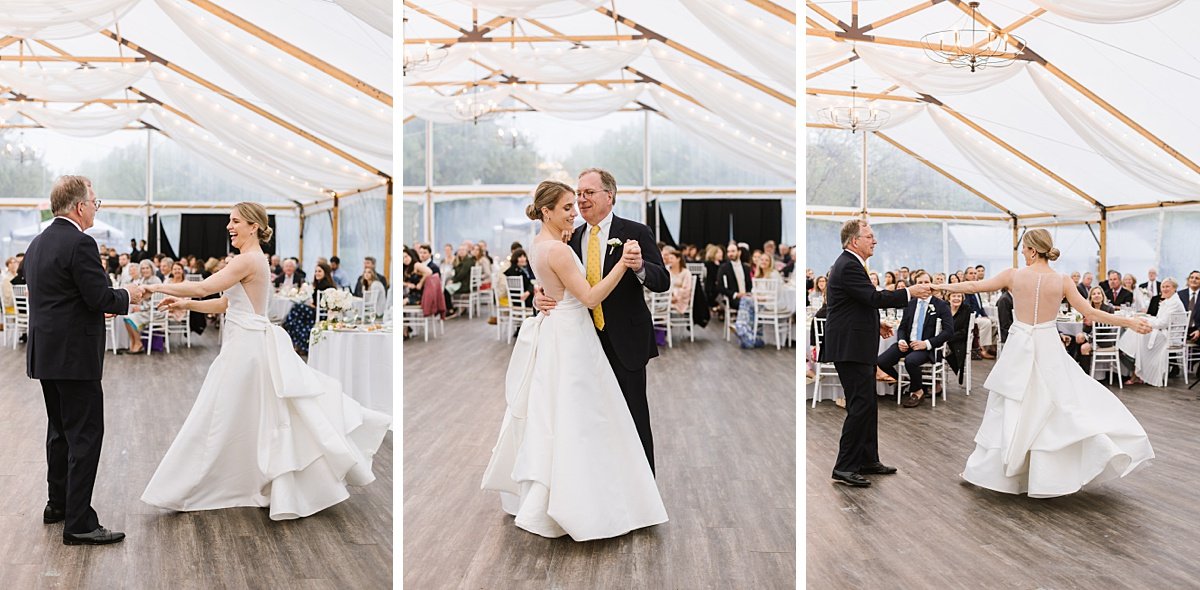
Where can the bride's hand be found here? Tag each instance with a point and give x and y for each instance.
(1140, 325)
(172, 304)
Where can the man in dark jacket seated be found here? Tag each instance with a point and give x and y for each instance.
(918, 340)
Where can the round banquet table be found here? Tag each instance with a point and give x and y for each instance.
(361, 361)
(787, 297)
(278, 308)
(1070, 328)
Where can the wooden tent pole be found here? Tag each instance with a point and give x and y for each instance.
(335, 223)
(1016, 240)
(1103, 267)
(387, 231)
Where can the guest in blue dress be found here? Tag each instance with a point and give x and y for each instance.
(300, 320)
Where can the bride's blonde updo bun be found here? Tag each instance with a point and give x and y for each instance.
(546, 195)
(257, 214)
(1039, 239)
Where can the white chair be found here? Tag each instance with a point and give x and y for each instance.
(21, 309)
(932, 374)
(660, 312)
(503, 311)
(1177, 345)
(482, 295)
(698, 269)
(414, 317)
(181, 327)
(195, 278)
(110, 332)
(768, 312)
(465, 296)
(156, 324)
(966, 372)
(685, 320)
(823, 370)
(1105, 353)
(731, 314)
(518, 309)
(7, 321)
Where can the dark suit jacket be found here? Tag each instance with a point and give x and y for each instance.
(69, 293)
(1123, 296)
(1082, 290)
(937, 310)
(297, 278)
(1152, 309)
(976, 304)
(852, 326)
(727, 281)
(1004, 308)
(1152, 289)
(958, 342)
(1184, 295)
(626, 317)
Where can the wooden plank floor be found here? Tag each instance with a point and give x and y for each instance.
(926, 528)
(724, 432)
(146, 400)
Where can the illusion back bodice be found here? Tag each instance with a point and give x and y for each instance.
(1036, 296)
(550, 282)
(242, 300)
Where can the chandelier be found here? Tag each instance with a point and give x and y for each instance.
(474, 106)
(511, 132)
(855, 117)
(424, 59)
(972, 47)
(19, 151)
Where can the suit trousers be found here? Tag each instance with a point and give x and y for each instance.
(913, 360)
(74, 436)
(633, 387)
(860, 432)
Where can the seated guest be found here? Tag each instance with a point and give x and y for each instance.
(962, 325)
(521, 268)
(460, 280)
(1085, 284)
(1147, 363)
(1152, 283)
(1191, 294)
(1083, 344)
(713, 257)
(483, 261)
(1129, 283)
(918, 340)
(681, 280)
(425, 256)
(788, 261)
(300, 320)
(1004, 309)
(373, 291)
(276, 267)
(819, 293)
(875, 280)
(1116, 294)
(210, 266)
(7, 299)
(339, 275)
(765, 268)
(414, 274)
(139, 314)
(901, 284)
(733, 278)
(164, 268)
(983, 324)
(889, 281)
(369, 262)
(174, 276)
(291, 277)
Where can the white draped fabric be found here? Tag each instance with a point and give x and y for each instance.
(265, 141)
(1022, 182)
(83, 123)
(913, 70)
(820, 52)
(769, 44)
(7, 110)
(899, 112)
(751, 111)
(456, 55)
(1106, 11)
(578, 106)
(440, 109)
(1126, 151)
(753, 154)
(561, 65)
(71, 84)
(377, 13)
(535, 8)
(329, 107)
(318, 240)
(239, 166)
(59, 19)
(361, 232)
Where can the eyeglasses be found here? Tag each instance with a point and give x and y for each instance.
(96, 201)
(589, 193)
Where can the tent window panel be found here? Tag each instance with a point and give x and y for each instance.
(287, 236)
(12, 220)
(361, 228)
(915, 245)
(972, 245)
(833, 168)
(318, 240)
(823, 244)
(1133, 246)
(414, 153)
(680, 159)
(896, 180)
(412, 228)
(499, 221)
(472, 154)
(118, 169)
(613, 142)
(1180, 248)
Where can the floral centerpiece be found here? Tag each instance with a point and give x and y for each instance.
(303, 292)
(334, 301)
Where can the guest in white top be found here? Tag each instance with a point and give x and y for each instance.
(1146, 356)
(6, 290)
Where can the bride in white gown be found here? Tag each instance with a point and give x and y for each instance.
(266, 430)
(568, 460)
(1049, 428)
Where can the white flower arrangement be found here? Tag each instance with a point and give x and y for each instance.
(336, 299)
(302, 292)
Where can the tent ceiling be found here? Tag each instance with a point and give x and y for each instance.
(1147, 70)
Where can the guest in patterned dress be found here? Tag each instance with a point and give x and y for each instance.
(300, 320)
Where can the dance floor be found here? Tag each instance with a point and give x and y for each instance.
(724, 429)
(926, 528)
(146, 400)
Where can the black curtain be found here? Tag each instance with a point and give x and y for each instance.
(204, 236)
(152, 244)
(716, 221)
(664, 232)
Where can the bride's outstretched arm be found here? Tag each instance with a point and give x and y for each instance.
(235, 271)
(1081, 305)
(995, 283)
(562, 261)
(218, 305)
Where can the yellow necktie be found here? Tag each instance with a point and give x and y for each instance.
(593, 272)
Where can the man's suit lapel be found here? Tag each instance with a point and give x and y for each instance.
(576, 242)
(616, 230)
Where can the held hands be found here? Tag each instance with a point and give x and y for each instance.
(1139, 325)
(136, 293)
(631, 255)
(920, 291)
(541, 302)
(566, 236)
(173, 304)
(885, 331)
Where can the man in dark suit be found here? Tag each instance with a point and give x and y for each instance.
(1114, 292)
(1004, 309)
(851, 343)
(68, 297)
(622, 319)
(1086, 284)
(1152, 283)
(291, 276)
(1191, 293)
(733, 277)
(919, 339)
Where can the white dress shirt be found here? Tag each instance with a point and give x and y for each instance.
(605, 226)
(920, 321)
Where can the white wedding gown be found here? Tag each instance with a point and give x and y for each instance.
(266, 430)
(1049, 428)
(568, 460)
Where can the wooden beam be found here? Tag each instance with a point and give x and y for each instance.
(518, 83)
(171, 109)
(1016, 242)
(1103, 265)
(824, 13)
(941, 171)
(813, 24)
(435, 17)
(335, 225)
(1159, 205)
(387, 231)
(78, 59)
(7, 40)
(866, 95)
(1058, 223)
(294, 51)
(855, 36)
(246, 104)
(899, 15)
(1014, 151)
(521, 39)
(698, 56)
(894, 215)
(830, 68)
(775, 9)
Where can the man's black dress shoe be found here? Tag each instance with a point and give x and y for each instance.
(100, 536)
(876, 469)
(851, 479)
(52, 515)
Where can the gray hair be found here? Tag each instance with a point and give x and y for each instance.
(146, 264)
(850, 230)
(1172, 281)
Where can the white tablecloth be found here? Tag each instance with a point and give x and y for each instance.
(278, 308)
(1070, 328)
(787, 297)
(361, 361)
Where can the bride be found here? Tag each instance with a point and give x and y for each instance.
(266, 430)
(568, 460)
(1049, 428)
